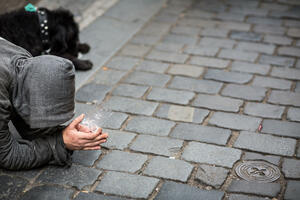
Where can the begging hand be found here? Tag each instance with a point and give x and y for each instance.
(79, 137)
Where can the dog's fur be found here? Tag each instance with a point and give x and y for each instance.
(22, 28)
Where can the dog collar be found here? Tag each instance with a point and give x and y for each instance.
(44, 29)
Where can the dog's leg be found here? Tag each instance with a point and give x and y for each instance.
(83, 48)
(79, 64)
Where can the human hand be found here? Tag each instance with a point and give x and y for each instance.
(79, 137)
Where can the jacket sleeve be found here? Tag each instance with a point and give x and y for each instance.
(26, 154)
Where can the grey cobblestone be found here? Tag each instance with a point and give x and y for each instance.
(227, 16)
(145, 78)
(186, 30)
(217, 103)
(135, 50)
(124, 184)
(244, 92)
(201, 50)
(274, 39)
(294, 32)
(282, 128)
(11, 187)
(92, 92)
(277, 30)
(201, 133)
(186, 70)
(133, 106)
(266, 143)
(249, 11)
(292, 190)
(194, 13)
(245, 197)
(171, 47)
(152, 66)
(265, 21)
(118, 139)
(256, 47)
(235, 26)
(128, 90)
(264, 110)
(169, 168)
(297, 89)
(229, 77)
(166, 18)
(108, 77)
(289, 51)
(114, 121)
(149, 125)
(211, 154)
(202, 86)
(157, 145)
(277, 60)
(272, 83)
(144, 39)
(203, 23)
(171, 96)
(294, 114)
(211, 175)
(167, 56)
(180, 39)
(47, 192)
(122, 161)
(255, 156)
(215, 32)
(122, 63)
(250, 67)
(95, 196)
(182, 113)
(290, 168)
(238, 55)
(86, 158)
(235, 121)
(156, 28)
(248, 36)
(217, 42)
(209, 62)
(265, 189)
(288, 73)
(285, 98)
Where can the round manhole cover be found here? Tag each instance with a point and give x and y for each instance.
(257, 171)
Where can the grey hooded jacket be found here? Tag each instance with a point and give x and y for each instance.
(36, 95)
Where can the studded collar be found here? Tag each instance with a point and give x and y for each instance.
(44, 29)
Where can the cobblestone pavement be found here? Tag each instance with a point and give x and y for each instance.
(201, 87)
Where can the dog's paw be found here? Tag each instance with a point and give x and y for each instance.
(83, 65)
(84, 48)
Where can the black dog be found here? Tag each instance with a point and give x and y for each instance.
(44, 31)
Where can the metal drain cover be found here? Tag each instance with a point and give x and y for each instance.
(257, 171)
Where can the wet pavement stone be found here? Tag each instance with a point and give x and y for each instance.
(282, 128)
(47, 193)
(122, 161)
(264, 189)
(245, 92)
(292, 190)
(86, 157)
(150, 125)
(211, 175)
(92, 92)
(157, 145)
(290, 168)
(272, 83)
(192, 132)
(229, 77)
(294, 114)
(211, 154)
(255, 156)
(264, 110)
(169, 168)
(145, 78)
(128, 185)
(266, 143)
(186, 70)
(128, 90)
(178, 191)
(118, 139)
(285, 98)
(11, 187)
(95, 196)
(250, 67)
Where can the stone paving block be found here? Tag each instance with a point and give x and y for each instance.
(92, 92)
(293, 114)
(202, 86)
(250, 67)
(264, 189)
(245, 92)
(211, 175)
(248, 36)
(274, 39)
(292, 23)
(145, 78)
(157, 145)
(144, 39)
(57, 175)
(264, 110)
(294, 32)
(114, 121)
(201, 133)
(182, 113)
(171, 96)
(235, 121)
(288, 73)
(133, 106)
(152, 66)
(128, 90)
(108, 77)
(290, 168)
(292, 191)
(217, 103)
(166, 18)
(118, 139)
(217, 42)
(282, 128)
(203, 23)
(178, 191)
(277, 30)
(273, 6)
(186, 30)
(27, 174)
(194, 13)
(238, 55)
(186, 70)
(255, 156)
(215, 32)
(256, 47)
(227, 16)
(247, 4)
(169, 168)
(211, 154)
(229, 77)
(209, 62)
(275, 83)
(11, 187)
(201, 50)
(135, 50)
(180, 39)
(239, 26)
(285, 98)
(248, 11)
(156, 28)
(277, 60)
(297, 89)
(47, 192)
(167, 56)
(150, 125)
(122, 63)
(122, 161)
(289, 51)
(266, 143)
(171, 47)
(264, 21)
(86, 157)
(245, 197)
(128, 185)
(95, 196)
